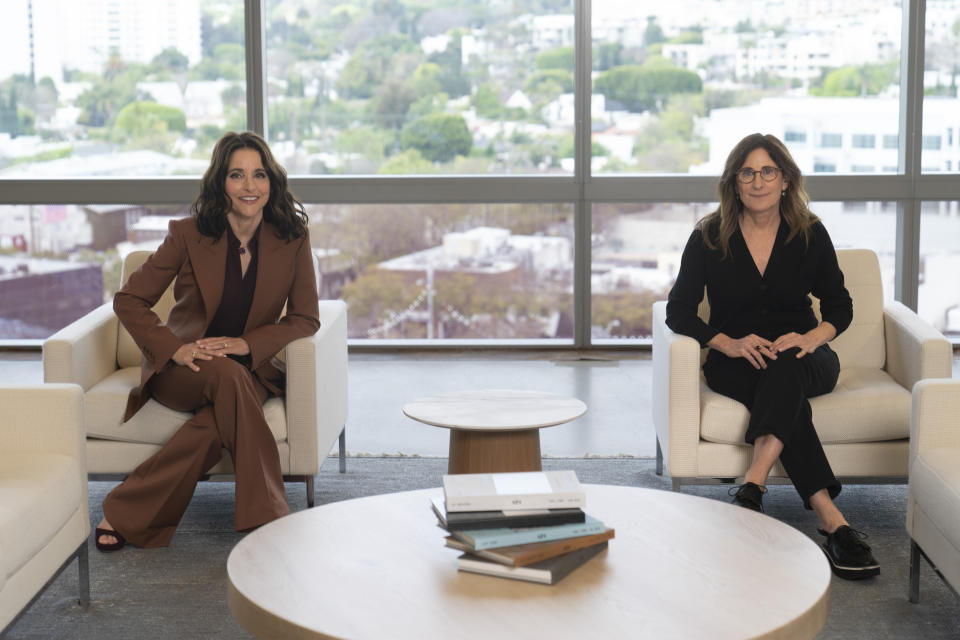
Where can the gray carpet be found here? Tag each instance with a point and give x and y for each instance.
(180, 591)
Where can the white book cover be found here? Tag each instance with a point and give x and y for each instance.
(512, 491)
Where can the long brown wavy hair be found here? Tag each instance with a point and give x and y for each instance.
(210, 208)
(719, 226)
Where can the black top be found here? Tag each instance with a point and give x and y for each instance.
(744, 302)
(231, 317)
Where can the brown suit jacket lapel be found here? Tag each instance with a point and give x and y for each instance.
(267, 264)
(209, 258)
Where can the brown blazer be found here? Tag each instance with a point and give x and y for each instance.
(285, 274)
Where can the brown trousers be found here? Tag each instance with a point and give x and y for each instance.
(147, 507)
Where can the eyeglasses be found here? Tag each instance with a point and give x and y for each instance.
(747, 175)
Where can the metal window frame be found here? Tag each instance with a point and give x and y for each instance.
(908, 188)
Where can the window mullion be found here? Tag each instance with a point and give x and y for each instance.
(911, 126)
(254, 45)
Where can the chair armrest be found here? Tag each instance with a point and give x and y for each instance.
(85, 351)
(316, 401)
(43, 418)
(935, 415)
(676, 395)
(915, 350)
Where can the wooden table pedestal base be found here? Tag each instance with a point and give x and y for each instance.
(494, 451)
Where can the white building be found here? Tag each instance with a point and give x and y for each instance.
(836, 135)
(489, 250)
(44, 228)
(82, 34)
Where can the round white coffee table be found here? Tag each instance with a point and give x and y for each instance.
(494, 430)
(680, 567)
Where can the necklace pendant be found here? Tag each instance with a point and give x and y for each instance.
(242, 250)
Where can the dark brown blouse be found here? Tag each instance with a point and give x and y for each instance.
(231, 317)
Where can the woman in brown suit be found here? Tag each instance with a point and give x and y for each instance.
(242, 255)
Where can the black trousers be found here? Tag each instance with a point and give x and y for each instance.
(777, 398)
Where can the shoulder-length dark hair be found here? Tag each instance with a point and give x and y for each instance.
(719, 226)
(210, 208)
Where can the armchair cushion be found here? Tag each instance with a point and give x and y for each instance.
(154, 423)
(867, 405)
(39, 492)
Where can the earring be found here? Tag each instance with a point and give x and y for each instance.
(783, 193)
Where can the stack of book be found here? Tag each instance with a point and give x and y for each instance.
(526, 526)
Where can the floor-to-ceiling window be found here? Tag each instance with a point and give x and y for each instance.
(521, 172)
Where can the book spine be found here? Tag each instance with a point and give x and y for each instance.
(573, 544)
(497, 522)
(513, 502)
(537, 534)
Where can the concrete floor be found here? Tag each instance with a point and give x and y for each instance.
(615, 388)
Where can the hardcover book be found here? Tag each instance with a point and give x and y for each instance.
(512, 491)
(549, 571)
(496, 519)
(493, 538)
(521, 555)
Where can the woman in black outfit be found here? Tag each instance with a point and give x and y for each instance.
(760, 255)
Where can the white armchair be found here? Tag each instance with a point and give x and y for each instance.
(864, 423)
(97, 353)
(933, 497)
(44, 513)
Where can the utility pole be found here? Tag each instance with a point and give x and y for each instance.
(430, 292)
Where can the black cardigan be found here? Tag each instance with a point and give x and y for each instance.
(744, 302)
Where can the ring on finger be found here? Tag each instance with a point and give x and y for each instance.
(223, 346)
(194, 354)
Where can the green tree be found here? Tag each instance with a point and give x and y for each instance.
(560, 58)
(214, 32)
(110, 92)
(669, 144)
(391, 103)
(607, 55)
(427, 79)
(863, 80)
(374, 295)
(409, 162)
(692, 36)
(646, 87)
(653, 34)
(9, 113)
(169, 61)
(452, 80)
(27, 121)
(566, 148)
(626, 315)
(440, 137)
(437, 103)
(366, 142)
(228, 61)
(148, 124)
(549, 84)
(487, 103)
(370, 64)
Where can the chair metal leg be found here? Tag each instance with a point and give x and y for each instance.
(83, 565)
(659, 459)
(343, 449)
(913, 593)
(310, 497)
